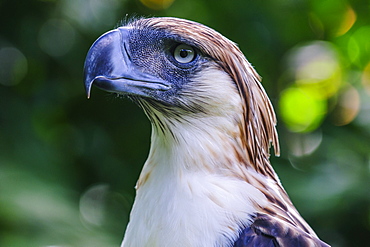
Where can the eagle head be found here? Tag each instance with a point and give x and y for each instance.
(177, 68)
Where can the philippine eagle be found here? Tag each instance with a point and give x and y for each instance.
(208, 181)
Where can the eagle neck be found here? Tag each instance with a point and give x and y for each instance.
(191, 191)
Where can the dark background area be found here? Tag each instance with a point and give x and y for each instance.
(68, 165)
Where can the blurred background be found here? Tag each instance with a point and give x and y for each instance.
(68, 165)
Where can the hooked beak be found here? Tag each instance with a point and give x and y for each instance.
(109, 67)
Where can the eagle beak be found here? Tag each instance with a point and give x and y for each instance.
(109, 67)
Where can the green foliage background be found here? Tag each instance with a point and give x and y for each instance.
(68, 165)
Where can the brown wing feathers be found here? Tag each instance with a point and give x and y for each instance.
(267, 231)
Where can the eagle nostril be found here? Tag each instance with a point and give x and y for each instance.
(127, 52)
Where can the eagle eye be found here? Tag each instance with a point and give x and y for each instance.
(184, 53)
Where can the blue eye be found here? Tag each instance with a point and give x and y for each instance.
(184, 53)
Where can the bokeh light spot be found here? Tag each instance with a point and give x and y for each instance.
(92, 204)
(353, 49)
(301, 110)
(302, 144)
(92, 14)
(316, 24)
(56, 37)
(349, 19)
(365, 78)
(13, 66)
(316, 67)
(157, 4)
(358, 47)
(348, 106)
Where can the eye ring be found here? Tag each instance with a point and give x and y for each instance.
(184, 53)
